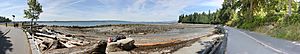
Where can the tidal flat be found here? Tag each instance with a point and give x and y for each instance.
(144, 35)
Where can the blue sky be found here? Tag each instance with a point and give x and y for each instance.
(128, 10)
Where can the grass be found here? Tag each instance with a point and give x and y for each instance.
(288, 32)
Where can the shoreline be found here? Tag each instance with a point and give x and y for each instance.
(146, 36)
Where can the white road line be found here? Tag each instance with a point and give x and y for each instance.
(262, 43)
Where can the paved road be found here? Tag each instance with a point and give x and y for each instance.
(13, 42)
(245, 42)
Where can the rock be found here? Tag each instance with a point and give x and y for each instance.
(68, 35)
(166, 52)
(113, 47)
(101, 47)
(127, 44)
(118, 37)
(123, 44)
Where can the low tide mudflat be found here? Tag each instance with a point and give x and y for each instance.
(140, 32)
(146, 36)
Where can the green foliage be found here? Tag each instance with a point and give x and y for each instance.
(269, 16)
(298, 7)
(34, 10)
(4, 19)
(203, 18)
(287, 31)
(294, 18)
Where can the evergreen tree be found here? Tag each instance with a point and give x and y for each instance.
(4, 19)
(299, 7)
(33, 11)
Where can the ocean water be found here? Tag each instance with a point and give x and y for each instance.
(94, 23)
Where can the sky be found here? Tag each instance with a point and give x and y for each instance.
(126, 10)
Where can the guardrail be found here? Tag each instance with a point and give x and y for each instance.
(218, 47)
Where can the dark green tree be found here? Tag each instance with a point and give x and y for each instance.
(33, 11)
(299, 7)
(4, 19)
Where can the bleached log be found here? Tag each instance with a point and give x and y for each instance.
(68, 44)
(41, 34)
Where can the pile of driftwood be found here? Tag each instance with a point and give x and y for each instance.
(48, 39)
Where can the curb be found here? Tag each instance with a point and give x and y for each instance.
(33, 46)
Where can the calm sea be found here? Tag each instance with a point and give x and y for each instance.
(93, 23)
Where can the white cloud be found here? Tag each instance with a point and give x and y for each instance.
(57, 9)
(216, 3)
(134, 10)
(163, 10)
(9, 7)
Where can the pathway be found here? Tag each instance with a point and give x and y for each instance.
(13, 41)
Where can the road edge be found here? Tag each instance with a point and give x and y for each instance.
(268, 46)
(33, 46)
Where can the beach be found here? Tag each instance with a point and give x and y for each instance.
(146, 36)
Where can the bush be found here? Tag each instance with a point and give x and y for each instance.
(289, 32)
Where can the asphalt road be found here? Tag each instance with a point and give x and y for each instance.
(246, 42)
(13, 41)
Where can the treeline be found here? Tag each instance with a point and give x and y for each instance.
(251, 14)
(200, 18)
(280, 18)
(4, 19)
(247, 14)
